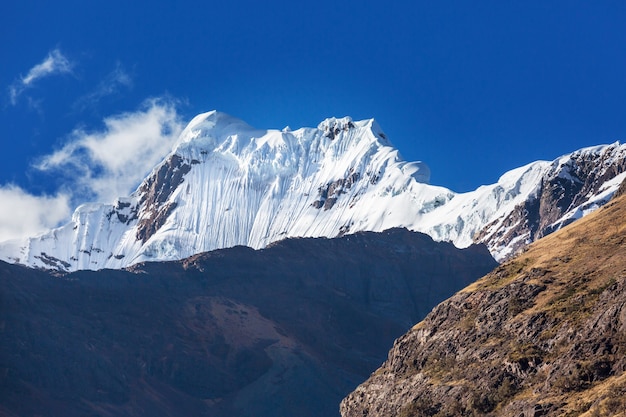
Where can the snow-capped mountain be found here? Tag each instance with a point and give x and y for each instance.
(226, 183)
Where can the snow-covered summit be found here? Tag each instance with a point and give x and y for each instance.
(226, 183)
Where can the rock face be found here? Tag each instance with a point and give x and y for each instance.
(284, 331)
(154, 194)
(541, 335)
(572, 186)
(226, 184)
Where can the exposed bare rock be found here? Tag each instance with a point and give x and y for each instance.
(542, 335)
(329, 194)
(565, 187)
(125, 211)
(53, 262)
(154, 193)
(333, 126)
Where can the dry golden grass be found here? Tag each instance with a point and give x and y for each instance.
(583, 255)
(581, 262)
(532, 334)
(575, 265)
(606, 398)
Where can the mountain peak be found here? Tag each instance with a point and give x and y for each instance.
(208, 130)
(333, 126)
(226, 183)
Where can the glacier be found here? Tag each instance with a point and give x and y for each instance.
(226, 183)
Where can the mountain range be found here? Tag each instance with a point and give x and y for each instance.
(265, 272)
(226, 183)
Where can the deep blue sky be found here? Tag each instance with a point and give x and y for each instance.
(472, 88)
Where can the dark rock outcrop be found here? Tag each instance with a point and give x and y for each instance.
(154, 193)
(333, 127)
(329, 194)
(567, 185)
(284, 331)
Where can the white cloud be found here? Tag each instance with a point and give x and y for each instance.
(113, 83)
(96, 166)
(110, 163)
(54, 63)
(23, 214)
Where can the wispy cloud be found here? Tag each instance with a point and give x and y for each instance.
(23, 214)
(105, 164)
(93, 166)
(112, 84)
(54, 63)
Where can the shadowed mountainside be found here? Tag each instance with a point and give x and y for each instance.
(541, 335)
(288, 330)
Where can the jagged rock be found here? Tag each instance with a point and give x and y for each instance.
(329, 194)
(561, 198)
(154, 194)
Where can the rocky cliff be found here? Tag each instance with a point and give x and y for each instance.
(542, 335)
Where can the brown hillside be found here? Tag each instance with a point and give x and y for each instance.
(542, 335)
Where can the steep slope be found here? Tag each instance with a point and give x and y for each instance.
(542, 335)
(226, 184)
(571, 187)
(284, 331)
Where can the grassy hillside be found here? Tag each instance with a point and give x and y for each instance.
(542, 335)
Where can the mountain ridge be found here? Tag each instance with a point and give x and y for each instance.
(226, 183)
(286, 330)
